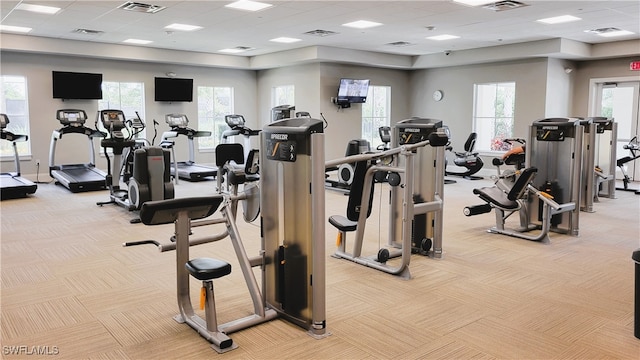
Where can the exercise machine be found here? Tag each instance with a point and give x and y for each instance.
(467, 159)
(598, 162)
(12, 185)
(517, 198)
(554, 147)
(428, 180)
(346, 171)
(291, 260)
(187, 170)
(515, 157)
(634, 148)
(76, 177)
(237, 126)
(417, 140)
(149, 178)
(283, 112)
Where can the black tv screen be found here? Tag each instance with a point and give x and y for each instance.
(73, 85)
(173, 89)
(353, 90)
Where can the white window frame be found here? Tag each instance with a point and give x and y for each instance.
(211, 113)
(488, 116)
(379, 106)
(129, 110)
(283, 95)
(16, 126)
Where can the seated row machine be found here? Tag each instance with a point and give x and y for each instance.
(292, 254)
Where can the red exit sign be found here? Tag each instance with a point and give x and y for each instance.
(634, 65)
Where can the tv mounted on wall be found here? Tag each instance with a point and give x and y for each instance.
(173, 89)
(353, 91)
(73, 85)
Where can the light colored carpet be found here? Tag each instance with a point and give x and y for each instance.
(69, 287)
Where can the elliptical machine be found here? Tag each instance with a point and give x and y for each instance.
(149, 176)
(467, 159)
(634, 148)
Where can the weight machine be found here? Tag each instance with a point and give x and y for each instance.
(293, 237)
(410, 206)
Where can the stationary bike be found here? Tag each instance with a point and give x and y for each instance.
(467, 159)
(634, 148)
(147, 173)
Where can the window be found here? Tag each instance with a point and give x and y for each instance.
(213, 104)
(283, 95)
(376, 112)
(128, 97)
(494, 106)
(14, 103)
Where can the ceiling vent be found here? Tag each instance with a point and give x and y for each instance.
(504, 5)
(399, 43)
(141, 7)
(243, 48)
(603, 30)
(87, 31)
(321, 33)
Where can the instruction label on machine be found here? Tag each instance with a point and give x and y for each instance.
(550, 133)
(280, 148)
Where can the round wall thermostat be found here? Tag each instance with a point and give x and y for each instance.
(438, 95)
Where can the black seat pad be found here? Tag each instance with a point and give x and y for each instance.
(342, 223)
(497, 197)
(208, 268)
(166, 211)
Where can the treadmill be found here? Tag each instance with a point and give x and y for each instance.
(76, 177)
(12, 185)
(187, 170)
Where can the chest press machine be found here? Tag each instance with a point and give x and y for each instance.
(293, 243)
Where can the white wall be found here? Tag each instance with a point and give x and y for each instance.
(74, 149)
(542, 89)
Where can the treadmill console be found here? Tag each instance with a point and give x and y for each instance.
(177, 120)
(71, 117)
(234, 121)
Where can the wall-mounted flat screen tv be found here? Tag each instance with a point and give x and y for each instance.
(74, 85)
(353, 90)
(173, 89)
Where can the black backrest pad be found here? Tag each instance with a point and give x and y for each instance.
(228, 152)
(471, 141)
(166, 211)
(356, 191)
(518, 189)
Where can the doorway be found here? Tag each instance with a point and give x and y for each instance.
(619, 98)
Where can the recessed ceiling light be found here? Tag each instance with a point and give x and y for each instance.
(38, 8)
(19, 29)
(137, 41)
(473, 2)
(362, 24)
(285, 40)
(559, 19)
(443, 37)
(183, 27)
(248, 5)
